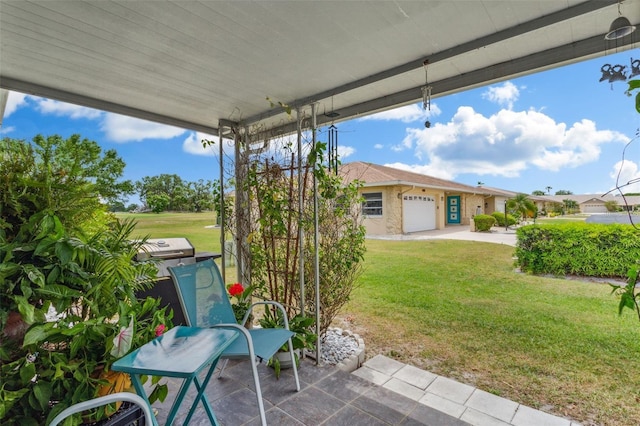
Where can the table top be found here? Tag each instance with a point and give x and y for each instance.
(180, 352)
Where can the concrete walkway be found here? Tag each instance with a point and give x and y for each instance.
(458, 400)
(496, 235)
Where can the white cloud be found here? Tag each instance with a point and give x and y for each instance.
(62, 109)
(15, 100)
(120, 128)
(433, 169)
(6, 130)
(505, 143)
(345, 151)
(504, 95)
(193, 144)
(624, 172)
(378, 146)
(406, 114)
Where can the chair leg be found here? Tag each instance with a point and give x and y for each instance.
(295, 367)
(222, 367)
(256, 382)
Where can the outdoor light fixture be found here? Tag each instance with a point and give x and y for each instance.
(619, 28)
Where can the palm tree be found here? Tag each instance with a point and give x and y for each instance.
(523, 205)
(548, 188)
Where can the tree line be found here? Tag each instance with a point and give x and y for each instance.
(169, 192)
(77, 160)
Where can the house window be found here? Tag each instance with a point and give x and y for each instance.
(372, 204)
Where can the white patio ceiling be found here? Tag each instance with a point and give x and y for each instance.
(192, 63)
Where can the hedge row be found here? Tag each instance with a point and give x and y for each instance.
(499, 217)
(584, 249)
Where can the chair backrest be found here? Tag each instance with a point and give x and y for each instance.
(202, 293)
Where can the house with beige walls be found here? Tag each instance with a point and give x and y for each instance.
(400, 202)
(596, 203)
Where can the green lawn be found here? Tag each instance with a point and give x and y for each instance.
(197, 227)
(458, 308)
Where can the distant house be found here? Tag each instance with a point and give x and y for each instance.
(594, 203)
(399, 202)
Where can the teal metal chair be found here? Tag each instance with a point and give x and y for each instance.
(204, 300)
(104, 400)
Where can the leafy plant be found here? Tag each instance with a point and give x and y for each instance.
(242, 303)
(523, 205)
(484, 222)
(67, 301)
(585, 249)
(499, 217)
(304, 337)
(634, 85)
(276, 221)
(630, 293)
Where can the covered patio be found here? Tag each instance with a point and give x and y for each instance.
(382, 392)
(221, 67)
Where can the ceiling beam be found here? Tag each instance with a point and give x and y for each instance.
(497, 72)
(516, 30)
(9, 83)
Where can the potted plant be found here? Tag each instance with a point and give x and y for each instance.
(304, 338)
(241, 302)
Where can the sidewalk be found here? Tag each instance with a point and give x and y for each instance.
(458, 400)
(496, 235)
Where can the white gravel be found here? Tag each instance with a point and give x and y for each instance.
(336, 346)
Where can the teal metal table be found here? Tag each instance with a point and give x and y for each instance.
(181, 352)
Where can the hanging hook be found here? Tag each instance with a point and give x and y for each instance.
(426, 89)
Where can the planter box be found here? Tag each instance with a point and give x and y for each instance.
(285, 358)
(128, 415)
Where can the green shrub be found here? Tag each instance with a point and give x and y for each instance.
(484, 222)
(584, 249)
(499, 217)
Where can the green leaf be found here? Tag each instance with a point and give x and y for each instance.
(27, 372)
(26, 309)
(38, 334)
(64, 252)
(626, 301)
(34, 275)
(42, 391)
(123, 340)
(9, 398)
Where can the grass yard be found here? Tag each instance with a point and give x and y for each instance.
(457, 308)
(197, 227)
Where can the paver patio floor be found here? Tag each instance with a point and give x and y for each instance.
(382, 392)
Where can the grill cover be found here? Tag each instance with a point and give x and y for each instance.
(167, 248)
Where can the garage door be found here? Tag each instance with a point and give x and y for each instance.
(418, 212)
(594, 208)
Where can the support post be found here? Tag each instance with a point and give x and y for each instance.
(300, 214)
(316, 237)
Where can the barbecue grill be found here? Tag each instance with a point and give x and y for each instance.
(170, 252)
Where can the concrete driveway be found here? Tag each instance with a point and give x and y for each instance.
(496, 235)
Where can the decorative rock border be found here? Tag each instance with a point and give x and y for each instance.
(355, 360)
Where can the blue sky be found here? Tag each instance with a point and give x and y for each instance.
(561, 128)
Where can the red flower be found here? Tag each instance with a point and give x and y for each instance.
(160, 329)
(236, 289)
